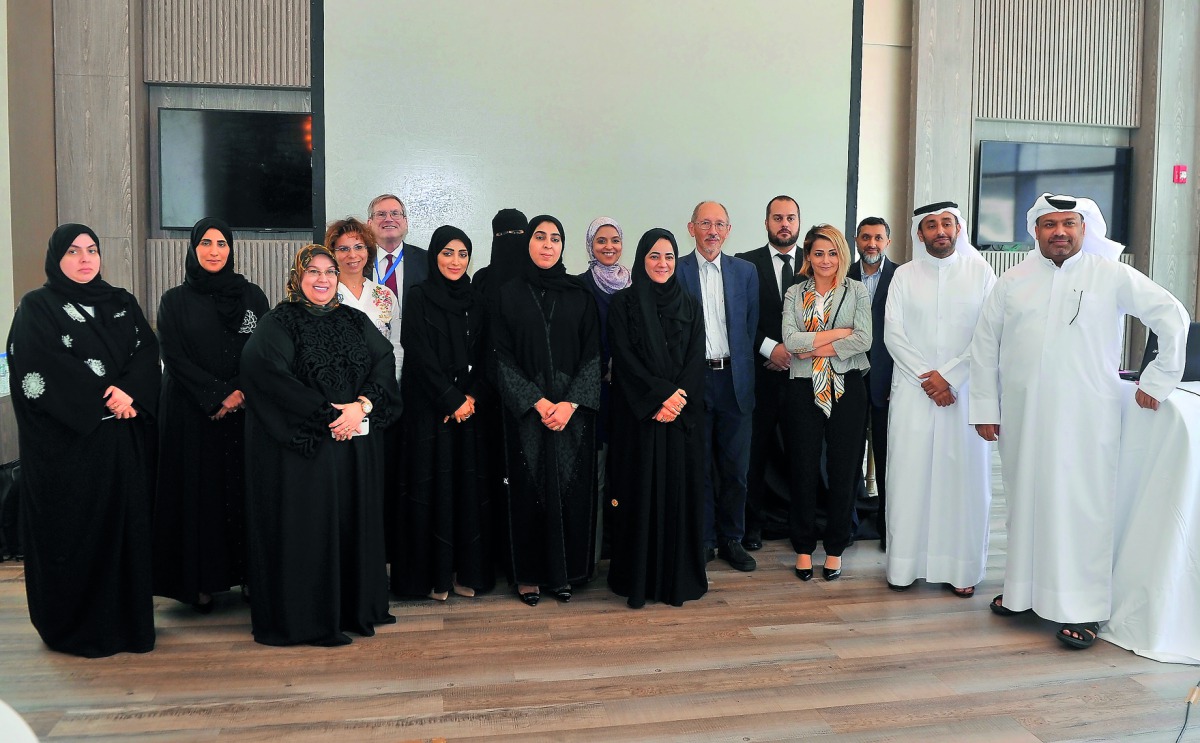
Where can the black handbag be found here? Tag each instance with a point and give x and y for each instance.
(10, 511)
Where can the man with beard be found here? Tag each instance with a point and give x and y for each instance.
(875, 271)
(1044, 382)
(940, 478)
(776, 267)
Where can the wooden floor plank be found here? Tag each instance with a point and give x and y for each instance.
(762, 657)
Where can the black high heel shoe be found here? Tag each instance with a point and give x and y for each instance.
(832, 573)
(531, 598)
(805, 574)
(563, 594)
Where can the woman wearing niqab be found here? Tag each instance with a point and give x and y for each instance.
(657, 334)
(313, 372)
(84, 365)
(446, 539)
(199, 516)
(547, 372)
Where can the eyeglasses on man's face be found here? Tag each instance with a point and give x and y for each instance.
(393, 213)
(706, 224)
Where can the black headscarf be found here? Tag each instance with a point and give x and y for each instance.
(295, 292)
(94, 293)
(226, 287)
(555, 277)
(510, 246)
(456, 299)
(452, 296)
(666, 310)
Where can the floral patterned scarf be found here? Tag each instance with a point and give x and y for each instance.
(828, 385)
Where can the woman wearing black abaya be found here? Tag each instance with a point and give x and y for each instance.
(312, 373)
(447, 525)
(547, 368)
(510, 253)
(84, 365)
(199, 521)
(657, 335)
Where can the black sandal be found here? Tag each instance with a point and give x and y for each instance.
(1001, 609)
(1087, 632)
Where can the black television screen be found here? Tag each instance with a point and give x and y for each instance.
(1013, 174)
(252, 169)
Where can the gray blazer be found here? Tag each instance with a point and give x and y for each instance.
(851, 309)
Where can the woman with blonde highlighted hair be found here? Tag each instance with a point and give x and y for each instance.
(827, 328)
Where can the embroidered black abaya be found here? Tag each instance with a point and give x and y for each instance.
(199, 515)
(86, 475)
(547, 340)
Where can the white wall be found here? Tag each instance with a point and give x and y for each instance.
(884, 145)
(628, 109)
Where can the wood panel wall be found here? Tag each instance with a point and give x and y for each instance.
(942, 145)
(99, 127)
(228, 42)
(1060, 61)
(264, 262)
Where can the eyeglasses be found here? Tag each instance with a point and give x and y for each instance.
(313, 273)
(705, 224)
(394, 214)
(348, 248)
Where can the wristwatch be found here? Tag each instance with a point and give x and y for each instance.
(367, 407)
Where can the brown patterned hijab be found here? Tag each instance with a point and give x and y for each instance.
(294, 291)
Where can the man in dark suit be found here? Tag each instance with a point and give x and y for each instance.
(875, 271)
(727, 291)
(776, 266)
(399, 266)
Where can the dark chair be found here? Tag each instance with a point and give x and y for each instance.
(1191, 367)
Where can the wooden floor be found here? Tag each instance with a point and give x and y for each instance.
(761, 657)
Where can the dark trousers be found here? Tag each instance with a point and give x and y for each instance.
(878, 433)
(765, 446)
(844, 435)
(727, 442)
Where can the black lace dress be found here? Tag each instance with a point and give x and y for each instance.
(547, 344)
(314, 506)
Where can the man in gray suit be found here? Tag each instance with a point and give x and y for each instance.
(727, 290)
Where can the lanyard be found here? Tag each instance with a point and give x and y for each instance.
(399, 257)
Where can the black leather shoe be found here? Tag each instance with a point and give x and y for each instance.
(734, 553)
(752, 541)
(530, 599)
(831, 574)
(563, 594)
(804, 574)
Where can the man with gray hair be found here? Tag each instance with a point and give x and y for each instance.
(1044, 382)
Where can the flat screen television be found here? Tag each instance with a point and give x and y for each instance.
(1013, 174)
(252, 169)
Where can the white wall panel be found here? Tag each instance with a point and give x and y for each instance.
(629, 109)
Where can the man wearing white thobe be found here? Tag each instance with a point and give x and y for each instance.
(939, 473)
(1044, 381)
